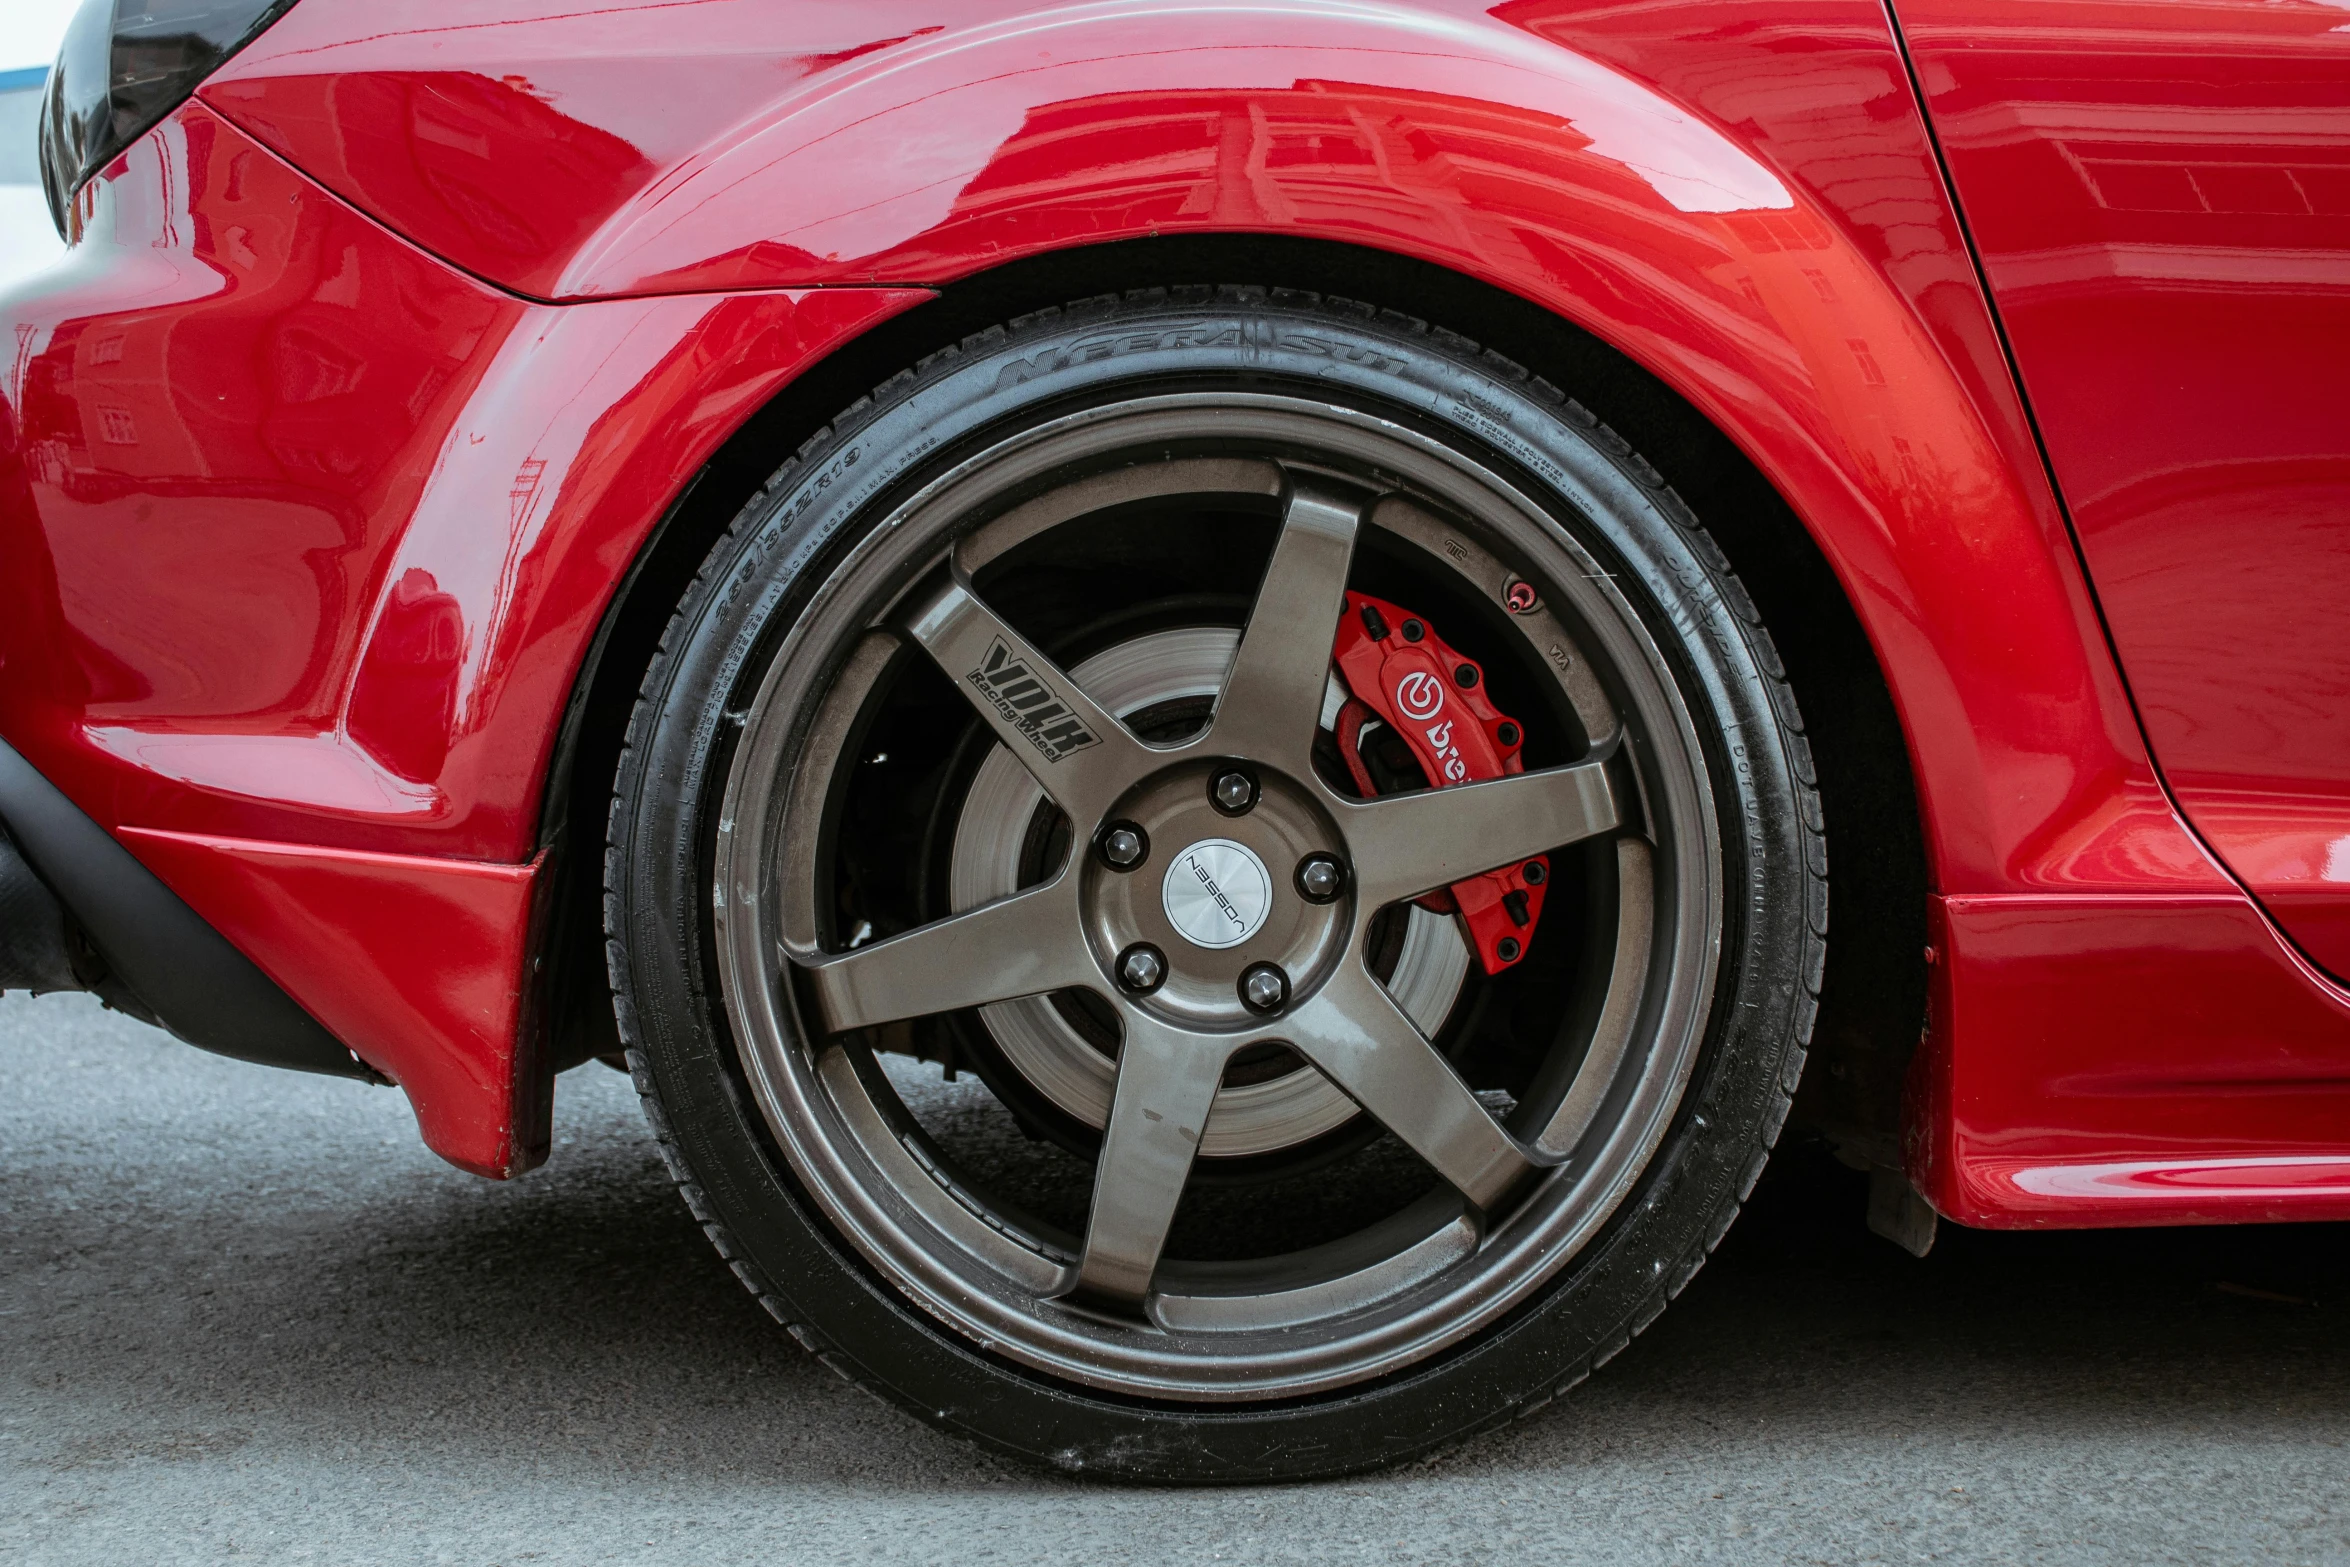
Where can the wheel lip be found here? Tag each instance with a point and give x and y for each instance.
(1516, 1259)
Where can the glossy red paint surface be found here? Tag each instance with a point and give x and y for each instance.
(1743, 200)
(1802, 281)
(316, 531)
(307, 536)
(2151, 1060)
(2161, 192)
(416, 964)
(228, 399)
(503, 136)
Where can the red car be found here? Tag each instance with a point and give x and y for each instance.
(1176, 676)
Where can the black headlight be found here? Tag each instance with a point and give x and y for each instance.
(125, 65)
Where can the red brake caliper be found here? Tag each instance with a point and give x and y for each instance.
(1399, 670)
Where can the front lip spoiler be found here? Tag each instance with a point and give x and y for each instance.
(161, 960)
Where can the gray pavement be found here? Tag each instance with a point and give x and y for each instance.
(245, 1316)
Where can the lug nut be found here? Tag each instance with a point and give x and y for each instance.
(1142, 968)
(1234, 792)
(1319, 878)
(1123, 845)
(1264, 988)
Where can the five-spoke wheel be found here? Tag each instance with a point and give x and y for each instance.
(1308, 982)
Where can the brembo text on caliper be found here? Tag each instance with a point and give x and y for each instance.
(1399, 671)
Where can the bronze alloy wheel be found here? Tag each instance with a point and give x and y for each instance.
(1057, 1029)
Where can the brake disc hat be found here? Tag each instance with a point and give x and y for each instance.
(1523, 1263)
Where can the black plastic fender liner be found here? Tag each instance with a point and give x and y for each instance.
(174, 966)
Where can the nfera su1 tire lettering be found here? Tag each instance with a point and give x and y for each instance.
(1131, 480)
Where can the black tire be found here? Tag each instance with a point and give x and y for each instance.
(760, 577)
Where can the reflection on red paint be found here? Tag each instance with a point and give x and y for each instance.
(230, 396)
(507, 165)
(404, 705)
(2162, 194)
(2158, 1180)
(485, 171)
(2148, 1033)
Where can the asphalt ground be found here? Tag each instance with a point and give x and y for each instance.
(245, 1316)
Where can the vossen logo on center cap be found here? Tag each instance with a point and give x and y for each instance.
(1029, 705)
(1217, 893)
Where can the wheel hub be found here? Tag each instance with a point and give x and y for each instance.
(1216, 906)
(1157, 673)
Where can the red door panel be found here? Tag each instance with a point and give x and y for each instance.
(2161, 193)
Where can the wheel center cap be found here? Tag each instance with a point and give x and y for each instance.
(1217, 893)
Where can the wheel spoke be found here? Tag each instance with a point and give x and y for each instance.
(1408, 844)
(1023, 945)
(1272, 698)
(1167, 1082)
(1078, 750)
(1361, 1040)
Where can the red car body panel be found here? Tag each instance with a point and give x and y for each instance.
(1745, 203)
(2141, 1060)
(2161, 194)
(308, 538)
(328, 525)
(1455, 137)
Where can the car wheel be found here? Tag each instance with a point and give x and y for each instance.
(1094, 1020)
